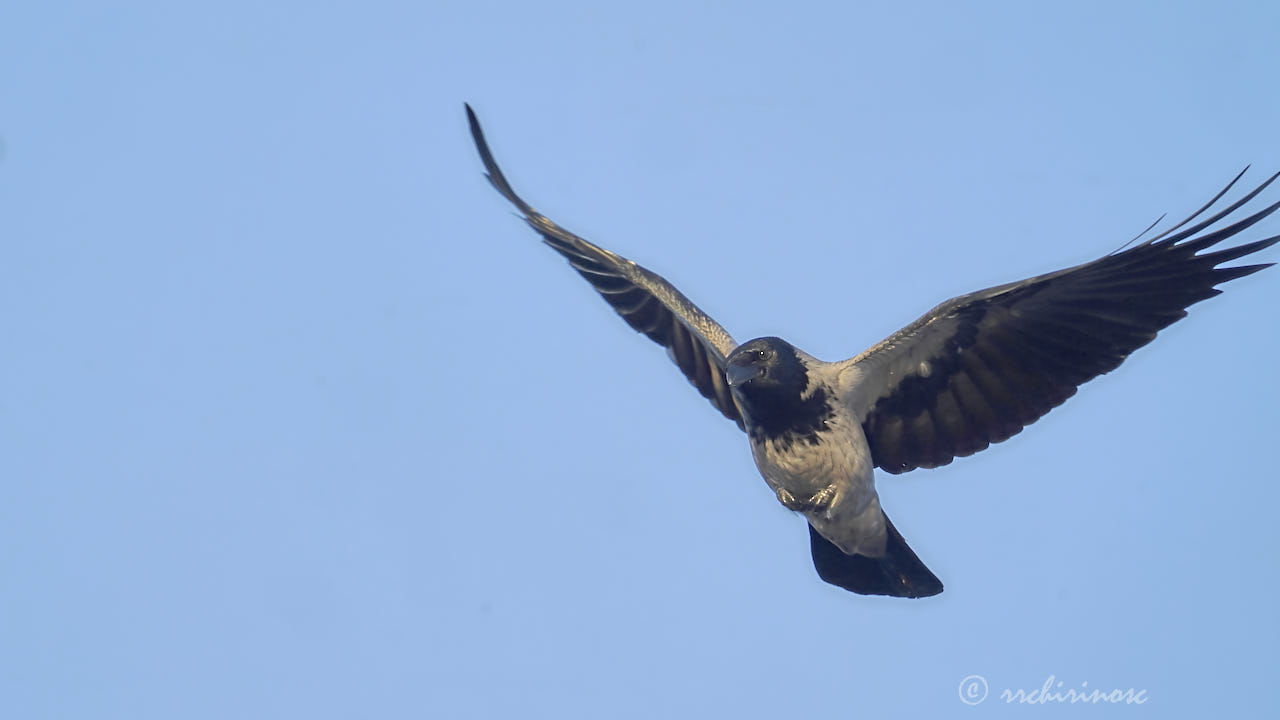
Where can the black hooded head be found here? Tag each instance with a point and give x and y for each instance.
(770, 381)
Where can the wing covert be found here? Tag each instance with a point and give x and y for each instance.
(646, 301)
(979, 368)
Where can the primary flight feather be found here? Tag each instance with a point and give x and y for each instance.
(973, 371)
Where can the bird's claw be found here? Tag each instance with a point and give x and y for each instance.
(788, 500)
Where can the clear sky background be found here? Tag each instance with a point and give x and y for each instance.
(297, 420)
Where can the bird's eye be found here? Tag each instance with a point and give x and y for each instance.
(760, 354)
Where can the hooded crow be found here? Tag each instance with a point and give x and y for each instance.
(972, 371)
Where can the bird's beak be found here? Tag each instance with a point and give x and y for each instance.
(740, 374)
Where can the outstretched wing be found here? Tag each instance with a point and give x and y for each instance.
(977, 369)
(648, 303)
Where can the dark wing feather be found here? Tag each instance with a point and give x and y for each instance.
(648, 303)
(977, 369)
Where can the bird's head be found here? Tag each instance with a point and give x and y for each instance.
(765, 369)
(771, 384)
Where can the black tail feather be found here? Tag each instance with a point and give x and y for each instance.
(898, 573)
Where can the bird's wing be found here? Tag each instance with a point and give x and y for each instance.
(649, 304)
(977, 369)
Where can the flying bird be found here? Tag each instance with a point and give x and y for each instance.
(973, 371)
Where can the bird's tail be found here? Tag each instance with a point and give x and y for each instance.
(898, 572)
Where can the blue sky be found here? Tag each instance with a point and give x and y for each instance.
(299, 421)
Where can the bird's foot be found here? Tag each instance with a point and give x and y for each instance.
(820, 501)
(789, 501)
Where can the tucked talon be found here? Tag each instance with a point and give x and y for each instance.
(823, 499)
(789, 501)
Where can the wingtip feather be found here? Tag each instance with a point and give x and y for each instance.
(492, 171)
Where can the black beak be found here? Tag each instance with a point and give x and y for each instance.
(741, 374)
